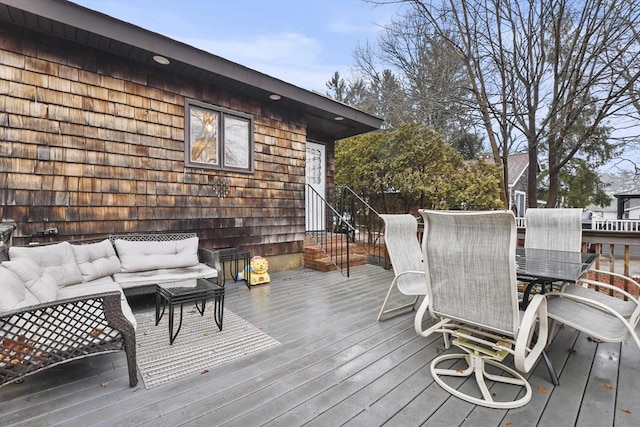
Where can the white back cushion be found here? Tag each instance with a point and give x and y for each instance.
(96, 260)
(152, 255)
(57, 260)
(12, 289)
(37, 281)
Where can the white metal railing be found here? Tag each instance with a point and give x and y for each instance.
(601, 224)
(615, 224)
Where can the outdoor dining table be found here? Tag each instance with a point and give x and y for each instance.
(544, 267)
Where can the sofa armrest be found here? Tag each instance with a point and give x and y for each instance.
(210, 257)
(45, 335)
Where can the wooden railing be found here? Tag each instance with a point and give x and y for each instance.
(619, 250)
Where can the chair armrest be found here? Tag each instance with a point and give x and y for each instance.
(420, 273)
(630, 324)
(59, 302)
(610, 287)
(619, 276)
(596, 304)
(535, 314)
(44, 335)
(210, 257)
(411, 289)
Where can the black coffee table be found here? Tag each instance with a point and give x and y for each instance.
(181, 292)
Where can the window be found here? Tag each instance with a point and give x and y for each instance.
(217, 138)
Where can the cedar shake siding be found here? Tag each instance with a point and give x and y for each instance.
(93, 144)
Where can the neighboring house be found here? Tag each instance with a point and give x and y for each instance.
(608, 212)
(518, 169)
(628, 204)
(624, 205)
(108, 128)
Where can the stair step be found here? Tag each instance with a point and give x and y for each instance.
(354, 259)
(316, 259)
(325, 264)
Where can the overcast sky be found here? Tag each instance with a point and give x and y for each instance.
(302, 42)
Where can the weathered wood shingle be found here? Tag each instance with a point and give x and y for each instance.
(93, 144)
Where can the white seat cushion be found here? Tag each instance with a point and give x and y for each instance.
(84, 289)
(58, 260)
(131, 280)
(152, 255)
(96, 260)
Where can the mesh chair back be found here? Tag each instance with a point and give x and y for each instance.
(558, 229)
(401, 239)
(471, 268)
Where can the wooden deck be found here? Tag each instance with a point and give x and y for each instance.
(336, 366)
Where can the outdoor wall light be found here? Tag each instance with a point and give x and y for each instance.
(161, 60)
(275, 97)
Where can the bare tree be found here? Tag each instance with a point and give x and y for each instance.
(552, 73)
(416, 78)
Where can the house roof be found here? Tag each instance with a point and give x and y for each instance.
(72, 22)
(517, 165)
(629, 194)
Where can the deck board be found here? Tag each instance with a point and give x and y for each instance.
(336, 365)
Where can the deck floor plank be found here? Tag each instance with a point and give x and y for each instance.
(336, 365)
(566, 400)
(598, 405)
(627, 410)
(287, 357)
(529, 415)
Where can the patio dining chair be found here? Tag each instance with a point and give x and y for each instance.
(558, 229)
(401, 240)
(608, 318)
(470, 265)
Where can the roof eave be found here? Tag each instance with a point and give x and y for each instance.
(324, 109)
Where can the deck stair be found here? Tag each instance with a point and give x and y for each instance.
(316, 259)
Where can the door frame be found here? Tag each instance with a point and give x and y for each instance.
(316, 178)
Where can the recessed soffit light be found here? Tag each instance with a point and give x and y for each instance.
(161, 60)
(275, 97)
(338, 118)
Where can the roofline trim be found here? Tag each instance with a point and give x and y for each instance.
(89, 20)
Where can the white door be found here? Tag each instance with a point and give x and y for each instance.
(521, 203)
(315, 177)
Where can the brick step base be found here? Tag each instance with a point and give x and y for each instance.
(316, 259)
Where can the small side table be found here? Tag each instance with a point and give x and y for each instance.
(234, 258)
(197, 291)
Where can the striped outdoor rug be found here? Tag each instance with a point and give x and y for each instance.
(199, 345)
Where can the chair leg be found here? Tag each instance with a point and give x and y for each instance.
(553, 330)
(476, 367)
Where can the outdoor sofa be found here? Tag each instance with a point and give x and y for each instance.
(61, 302)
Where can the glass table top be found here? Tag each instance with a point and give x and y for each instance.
(189, 286)
(553, 265)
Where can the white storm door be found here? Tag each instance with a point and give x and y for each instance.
(315, 177)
